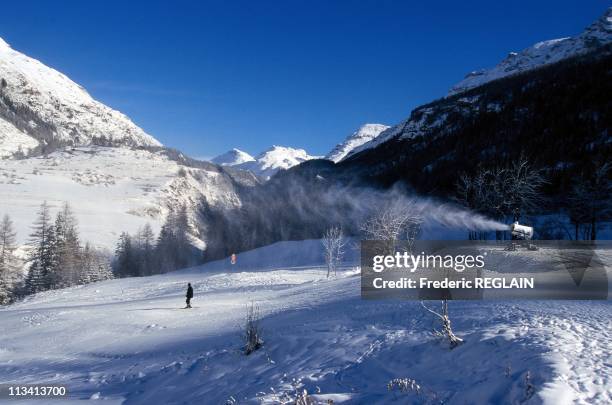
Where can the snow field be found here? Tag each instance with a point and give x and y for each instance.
(128, 341)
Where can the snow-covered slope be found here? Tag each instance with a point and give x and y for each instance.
(110, 189)
(364, 134)
(543, 53)
(274, 159)
(39, 105)
(232, 158)
(127, 341)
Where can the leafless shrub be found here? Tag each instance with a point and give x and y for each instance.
(404, 385)
(252, 331)
(303, 398)
(529, 387)
(447, 330)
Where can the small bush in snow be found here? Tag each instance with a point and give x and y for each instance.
(252, 331)
(304, 399)
(404, 385)
(447, 330)
(529, 387)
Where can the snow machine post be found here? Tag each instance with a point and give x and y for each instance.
(521, 233)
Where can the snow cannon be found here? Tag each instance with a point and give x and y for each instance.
(521, 232)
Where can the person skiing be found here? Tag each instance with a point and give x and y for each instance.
(189, 295)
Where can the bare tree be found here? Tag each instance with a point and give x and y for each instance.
(523, 184)
(447, 330)
(514, 191)
(590, 202)
(397, 221)
(333, 243)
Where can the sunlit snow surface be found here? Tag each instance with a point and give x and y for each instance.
(129, 341)
(111, 190)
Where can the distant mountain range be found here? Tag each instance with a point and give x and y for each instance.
(269, 162)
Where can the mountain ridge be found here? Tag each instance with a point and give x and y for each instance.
(41, 109)
(542, 53)
(364, 134)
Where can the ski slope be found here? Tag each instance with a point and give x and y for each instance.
(129, 342)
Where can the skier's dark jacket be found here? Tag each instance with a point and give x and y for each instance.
(189, 292)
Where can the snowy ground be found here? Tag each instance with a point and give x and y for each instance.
(129, 341)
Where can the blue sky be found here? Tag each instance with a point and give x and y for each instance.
(207, 76)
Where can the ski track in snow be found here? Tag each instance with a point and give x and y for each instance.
(128, 341)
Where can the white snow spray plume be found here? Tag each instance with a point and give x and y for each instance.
(304, 209)
(367, 201)
(455, 217)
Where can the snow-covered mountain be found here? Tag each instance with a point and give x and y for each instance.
(110, 189)
(59, 144)
(41, 107)
(543, 53)
(364, 134)
(266, 163)
(430, 118)
(232, 158)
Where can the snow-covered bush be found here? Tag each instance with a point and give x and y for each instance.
(304, 399)
(409, 385)
(252, 330)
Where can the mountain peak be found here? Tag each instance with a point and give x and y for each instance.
(233, 157)
(364, 134)
(596, 35)
(41, 107)
(267, 163)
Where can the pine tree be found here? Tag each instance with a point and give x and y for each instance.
(67, 261)
(9, 267)
(146, 246)
(94, 266)
(174, 250)
(41, 253)
(125, 258)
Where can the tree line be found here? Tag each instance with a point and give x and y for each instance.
(55, 256)
(142, 254)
